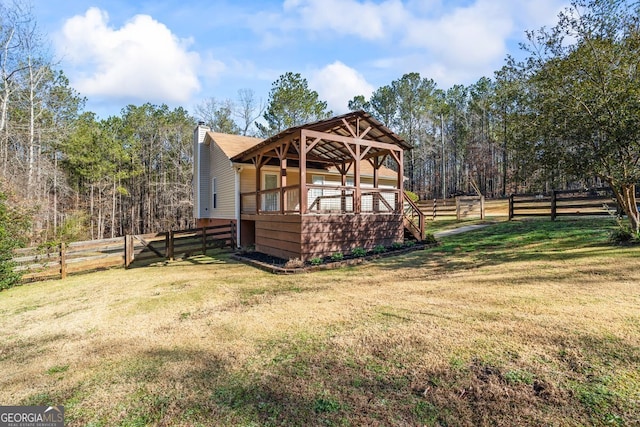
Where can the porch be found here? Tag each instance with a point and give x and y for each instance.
(303, 219)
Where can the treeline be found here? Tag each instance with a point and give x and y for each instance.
(566, 116)
(463, 143)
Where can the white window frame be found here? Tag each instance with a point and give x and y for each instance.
(271, 201)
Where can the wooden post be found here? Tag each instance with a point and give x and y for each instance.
(481, 207)
(343, 193)
(357, 200)
(63, 261)
(128, 250)
(510, 207)
(166, 245)
(303, 172)
(283, 185)
(553, 205)
(435, 208)
(458, 208)
(204, 241)
(170, 246)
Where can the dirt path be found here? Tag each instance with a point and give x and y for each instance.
(459, 230)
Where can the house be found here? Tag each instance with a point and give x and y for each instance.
(309, 191)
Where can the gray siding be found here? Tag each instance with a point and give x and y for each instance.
(222, 170)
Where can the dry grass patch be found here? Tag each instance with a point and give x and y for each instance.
(537, 324)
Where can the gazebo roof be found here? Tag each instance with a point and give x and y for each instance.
(356, 126)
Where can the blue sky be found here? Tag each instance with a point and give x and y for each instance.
(180, 53)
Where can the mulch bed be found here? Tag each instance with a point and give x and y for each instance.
(279, 266)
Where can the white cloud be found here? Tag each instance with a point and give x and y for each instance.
(367, 20)
(337, 84)
(141, 60)
(465, 36)
(446, 40)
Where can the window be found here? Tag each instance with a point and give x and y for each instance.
(214, 193)
(271, 200)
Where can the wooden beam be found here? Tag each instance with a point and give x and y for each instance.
(400, 173)
(357, 200)
(353, 154)
(366, 150)
(366, 131)
(397, 156)
(349, 128)
(313, 144)
(258, 186)
(357, 141)
(303, 171)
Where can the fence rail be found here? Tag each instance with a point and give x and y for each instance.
(596, 202)
(39, 263)
(460, 207)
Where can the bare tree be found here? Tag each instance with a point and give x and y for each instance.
(249, 109)
(12, 19)
(218, 115)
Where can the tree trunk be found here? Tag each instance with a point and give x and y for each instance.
(91, 214)
(626, 196)
(113, 209)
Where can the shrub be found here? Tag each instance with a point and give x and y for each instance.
(397, 245)
(315, 261)
(412, 196)
(622, 235)
(429, 238)
(358, 252)
(338, 256)
(409, 244)
(379, 249)
(13, 227)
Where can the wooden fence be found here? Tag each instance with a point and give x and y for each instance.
(60, 260)
(63, 259)
(173, 244)
(563, 203)
(461, 207)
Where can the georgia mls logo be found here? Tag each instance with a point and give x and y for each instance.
(31, 416)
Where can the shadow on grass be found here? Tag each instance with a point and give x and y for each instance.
(310, 380)
(213, 256)
(515, 241)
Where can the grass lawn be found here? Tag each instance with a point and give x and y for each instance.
(519, 323)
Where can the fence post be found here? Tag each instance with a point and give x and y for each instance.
(510, 207)
(435, 208)
(63, 261)
(481, 207)
(170, 254)
(458, 208)
(166, 245)
(128, 250)
(553, 205)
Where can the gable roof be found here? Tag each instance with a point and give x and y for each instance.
(232, 145)
(235, 146)
(360, 122)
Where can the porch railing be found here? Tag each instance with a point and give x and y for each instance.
(278, 200)
(322, 199)
(414, 220)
